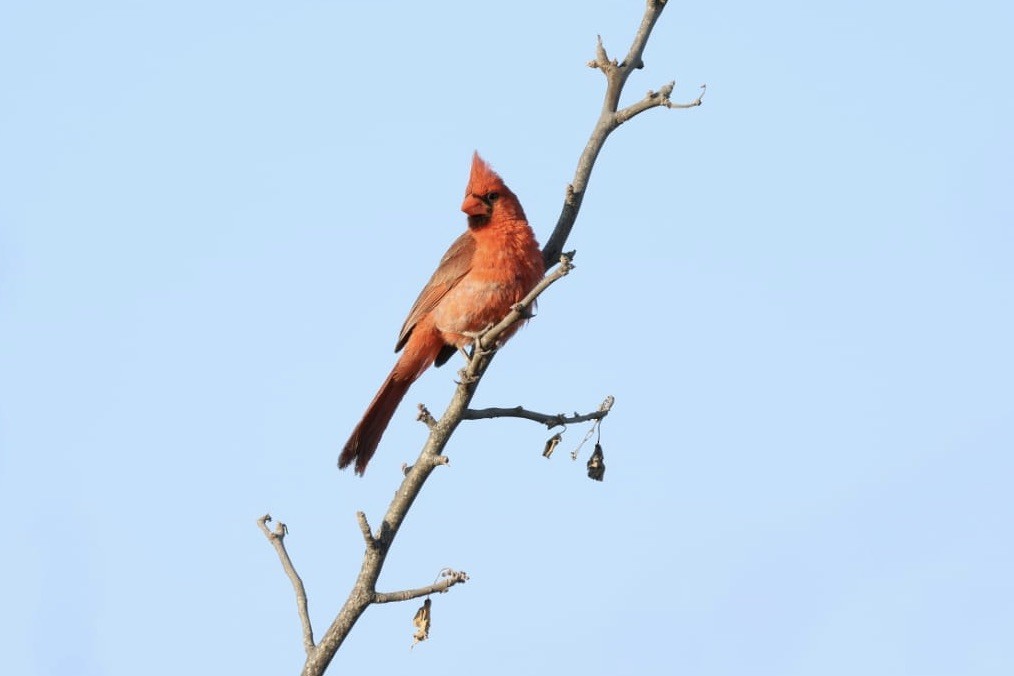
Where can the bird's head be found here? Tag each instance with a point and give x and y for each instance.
(487, 196)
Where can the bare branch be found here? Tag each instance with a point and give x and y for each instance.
(277, 540)
(521, 310)
(363, 592)
(609, 119)
(426, 417)
(601, 60)
(651, 13)
(657, 99)
(364, 527)
(450, 578)
(549, 420)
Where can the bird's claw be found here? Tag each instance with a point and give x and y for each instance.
(476, 337)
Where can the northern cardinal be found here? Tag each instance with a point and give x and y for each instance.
(487, 270)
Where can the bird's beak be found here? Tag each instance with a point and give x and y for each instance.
(474, 206)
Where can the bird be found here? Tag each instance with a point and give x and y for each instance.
(492, 266)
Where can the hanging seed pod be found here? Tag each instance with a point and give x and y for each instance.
(596, 464)
(422, 623)
(551, 444)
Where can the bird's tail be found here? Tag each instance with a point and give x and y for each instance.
(364, 440)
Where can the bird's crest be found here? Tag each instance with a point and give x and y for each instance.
(482, 179)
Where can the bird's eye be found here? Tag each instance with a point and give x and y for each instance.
(492, 196)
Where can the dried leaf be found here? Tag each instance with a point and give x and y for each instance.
(596, 464)
(551, 444)
(422, 623)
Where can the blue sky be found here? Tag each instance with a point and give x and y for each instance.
(216, 216)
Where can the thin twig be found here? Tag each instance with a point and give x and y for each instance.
(609, 119)
(425, 416)
(547, 419)
(277, 540)
(364, 526)
(655, 99)
(520, 310)
(450, 578)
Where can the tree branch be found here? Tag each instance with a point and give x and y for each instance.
(487, 339)
(450, 578)
(547, 419)
(609, 119)
(277, 540)
(364, 526)
(655, 99)
(426, 417)
(363, 592)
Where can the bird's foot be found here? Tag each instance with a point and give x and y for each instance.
(476, 337)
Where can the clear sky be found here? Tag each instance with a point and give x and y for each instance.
(215, 216)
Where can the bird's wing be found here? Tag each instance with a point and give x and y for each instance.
(453, 266)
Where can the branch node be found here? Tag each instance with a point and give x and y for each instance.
(601, 60)
(693, 104)
(453, 577)
(569, 195)
(281, 530)
(426, 417)
(524, 311)
(364, 527)
(567, 262)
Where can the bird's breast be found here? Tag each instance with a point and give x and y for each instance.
(472, 305)
(504, 267)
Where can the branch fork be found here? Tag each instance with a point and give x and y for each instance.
(611, 117)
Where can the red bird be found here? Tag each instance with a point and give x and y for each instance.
(487, 270)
